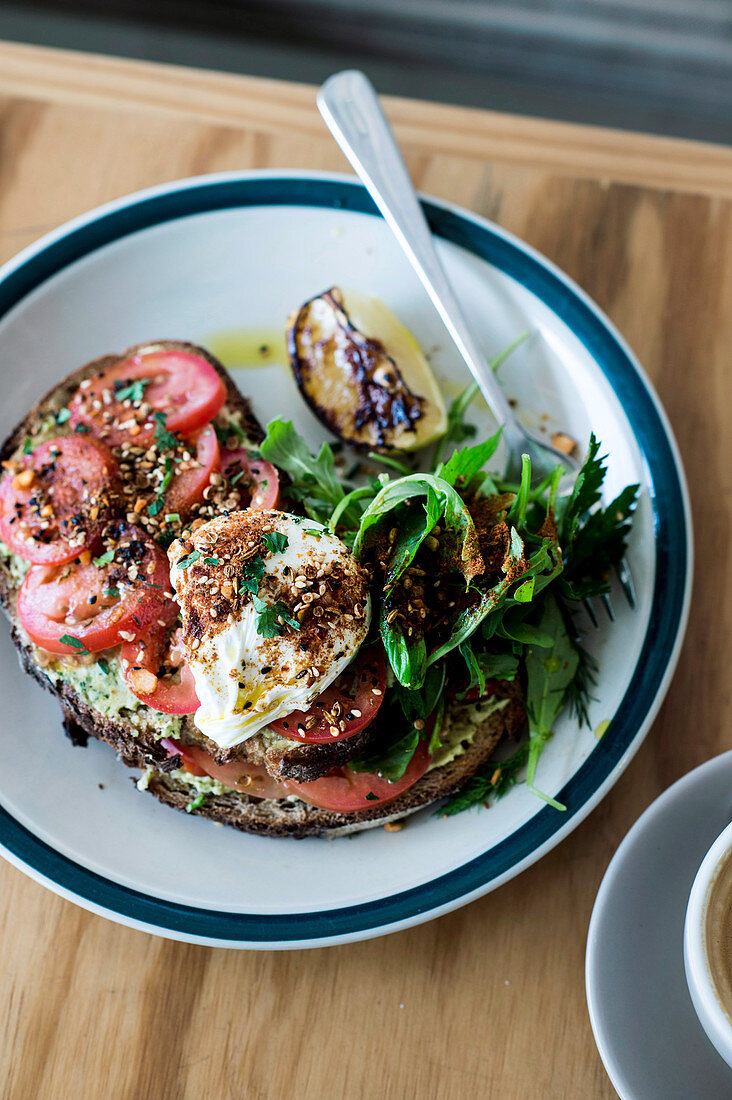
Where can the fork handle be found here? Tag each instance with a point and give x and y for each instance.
(351, 109)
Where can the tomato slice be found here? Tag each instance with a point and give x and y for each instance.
(346, 791)
(354, 699)
(172, 693)
(119, 404)
(187, 486)
(53, 506)
(251, 779)
(252, 475)
(96, 605)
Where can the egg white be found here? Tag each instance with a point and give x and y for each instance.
(236, 707)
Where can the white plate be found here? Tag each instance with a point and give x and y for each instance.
(647, 1032)
(187, 261)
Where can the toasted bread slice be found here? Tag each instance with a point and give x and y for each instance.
(293, 818)
(135, 731)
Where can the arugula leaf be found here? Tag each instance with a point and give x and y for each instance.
(464, 464)
(268, 616)
(420, 703)
(314, 479)
(275, 541)
(407, 659)
(391, 760)
(486, 666)
(549, 677)
(477, 675)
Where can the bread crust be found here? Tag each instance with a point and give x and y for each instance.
(280, 818)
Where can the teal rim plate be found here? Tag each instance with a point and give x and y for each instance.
(194, 258)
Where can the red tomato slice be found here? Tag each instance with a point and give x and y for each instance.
(352, 699)
(181, 385)
(95, 604)
(346, 791)
(58, 514)
(252, 475)
(251, 779)
(175, 692)
(187, 487)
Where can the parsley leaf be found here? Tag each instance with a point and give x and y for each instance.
(275, 541)
(75, 643)
(192, 557)
(253, 573)
(163, 439)
(135, 391)
(104, 559)
(268, 616)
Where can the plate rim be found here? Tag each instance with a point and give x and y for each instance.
(141, 210)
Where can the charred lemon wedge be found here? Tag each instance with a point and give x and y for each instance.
(363, 373)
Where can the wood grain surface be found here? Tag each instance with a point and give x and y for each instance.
(488, 1001)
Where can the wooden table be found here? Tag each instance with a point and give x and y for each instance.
(488, 1001)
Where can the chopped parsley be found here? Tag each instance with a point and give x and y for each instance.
(75, 643)
(82, 428)
(253, 573)
(172, 517)
(313, 531)
(112, 593)
(135, 391)
(275, 541)
(211, 561)
(371, 797)
(192, 557)
(157, 504)
(268, 624)
(104, 559)
(196, 804)
(163, 439)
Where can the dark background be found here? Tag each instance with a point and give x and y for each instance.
(658, 65)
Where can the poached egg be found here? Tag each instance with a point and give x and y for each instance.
(274, 608)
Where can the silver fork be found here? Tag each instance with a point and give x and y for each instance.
(350, 107)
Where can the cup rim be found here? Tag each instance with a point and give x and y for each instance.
(714, 1018)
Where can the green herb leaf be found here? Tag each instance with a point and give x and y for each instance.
(493, 780)
(103, 664)
(112, 593)
(268, 616)
(172, 517)
(253, 573)
(211, 561)
(104, 559)
(390, 761)
(75, 643)
(196, 804)
(62, 416)
(464, 464)
(371, 797)
(135, 391)
(314, 479)
(275, 541)
(192, 557)
(82, 428)
(163, 439)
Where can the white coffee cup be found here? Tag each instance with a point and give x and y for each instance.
(715, 1015)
